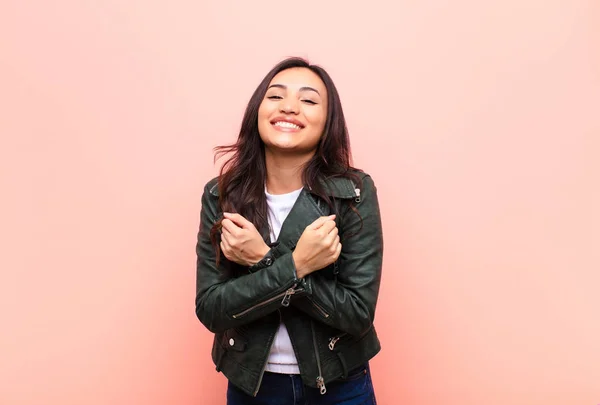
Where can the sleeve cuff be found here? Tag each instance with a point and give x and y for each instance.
(277, 250)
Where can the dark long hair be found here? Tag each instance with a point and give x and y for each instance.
(243, 175)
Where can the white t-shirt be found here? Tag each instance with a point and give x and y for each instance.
(282, 358)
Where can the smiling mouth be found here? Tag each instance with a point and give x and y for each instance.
(287, 125)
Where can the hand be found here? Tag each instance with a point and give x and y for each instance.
(240, 241)
(318, 246)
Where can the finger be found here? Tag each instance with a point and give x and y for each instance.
(328, 226)
(320, 221)
(225, 245)
(226, 235)
(228, 256)
(238, 220)
(231, 241)
(333, 246)
(338, 250)
(224, 249)
(332, 237)
(229, 226)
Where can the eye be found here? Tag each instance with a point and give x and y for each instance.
(309, 102)
(275, 97)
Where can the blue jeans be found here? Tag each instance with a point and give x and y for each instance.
(286, 389)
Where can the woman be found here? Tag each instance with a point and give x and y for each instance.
(290, 250)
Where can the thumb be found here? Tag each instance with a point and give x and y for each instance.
(320, 221)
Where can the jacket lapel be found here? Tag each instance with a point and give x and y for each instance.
(303, 213)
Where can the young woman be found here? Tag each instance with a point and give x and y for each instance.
(290, 250)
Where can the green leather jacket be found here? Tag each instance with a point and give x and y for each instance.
(329, 313)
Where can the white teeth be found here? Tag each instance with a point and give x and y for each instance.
(286, 124)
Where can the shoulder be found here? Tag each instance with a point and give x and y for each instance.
(349, 184)
(212, 187)
(364, 186)
(364, 179)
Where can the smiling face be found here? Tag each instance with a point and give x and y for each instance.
(292, 116)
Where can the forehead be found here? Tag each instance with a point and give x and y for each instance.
(295, 78)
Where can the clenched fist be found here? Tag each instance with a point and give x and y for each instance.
(240, 241)
(318, 246)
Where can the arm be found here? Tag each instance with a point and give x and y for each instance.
(224, 302)
(349, 303)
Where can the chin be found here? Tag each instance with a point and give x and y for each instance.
(282, 141)
(284, 147)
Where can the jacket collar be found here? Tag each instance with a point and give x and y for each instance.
(337, 187)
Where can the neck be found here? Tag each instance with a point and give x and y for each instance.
(284, 172)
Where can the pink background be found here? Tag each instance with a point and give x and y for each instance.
(479, 121)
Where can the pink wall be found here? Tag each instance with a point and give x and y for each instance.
(479, 121)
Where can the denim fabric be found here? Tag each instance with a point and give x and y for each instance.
(286, 389)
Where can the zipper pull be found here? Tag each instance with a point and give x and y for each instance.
(357, 191)
(321, 385)
(333, 341)
(286, 298)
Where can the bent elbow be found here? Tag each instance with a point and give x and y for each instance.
(360, 328)
(209, 319)
(362, 321)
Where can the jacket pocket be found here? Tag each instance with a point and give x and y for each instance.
(232, 340)
(320, 309)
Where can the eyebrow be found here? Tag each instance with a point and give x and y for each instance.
(305, 88)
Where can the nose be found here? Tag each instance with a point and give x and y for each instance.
(289, 106)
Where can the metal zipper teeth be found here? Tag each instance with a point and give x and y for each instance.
(262, 373)
(320, 309)
(320, 380)
(285, 302)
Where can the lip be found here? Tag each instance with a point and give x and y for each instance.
(287, 119)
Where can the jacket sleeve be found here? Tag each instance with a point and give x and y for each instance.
(223, 301)
(347, 302)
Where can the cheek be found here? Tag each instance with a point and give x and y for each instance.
(263, 117)
(262, 111)
(317, 118)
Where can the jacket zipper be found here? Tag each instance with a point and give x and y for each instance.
(320, 380)
(334, 340)
(285, 301)
(320, 309)
(262, 373)
(288, 294)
